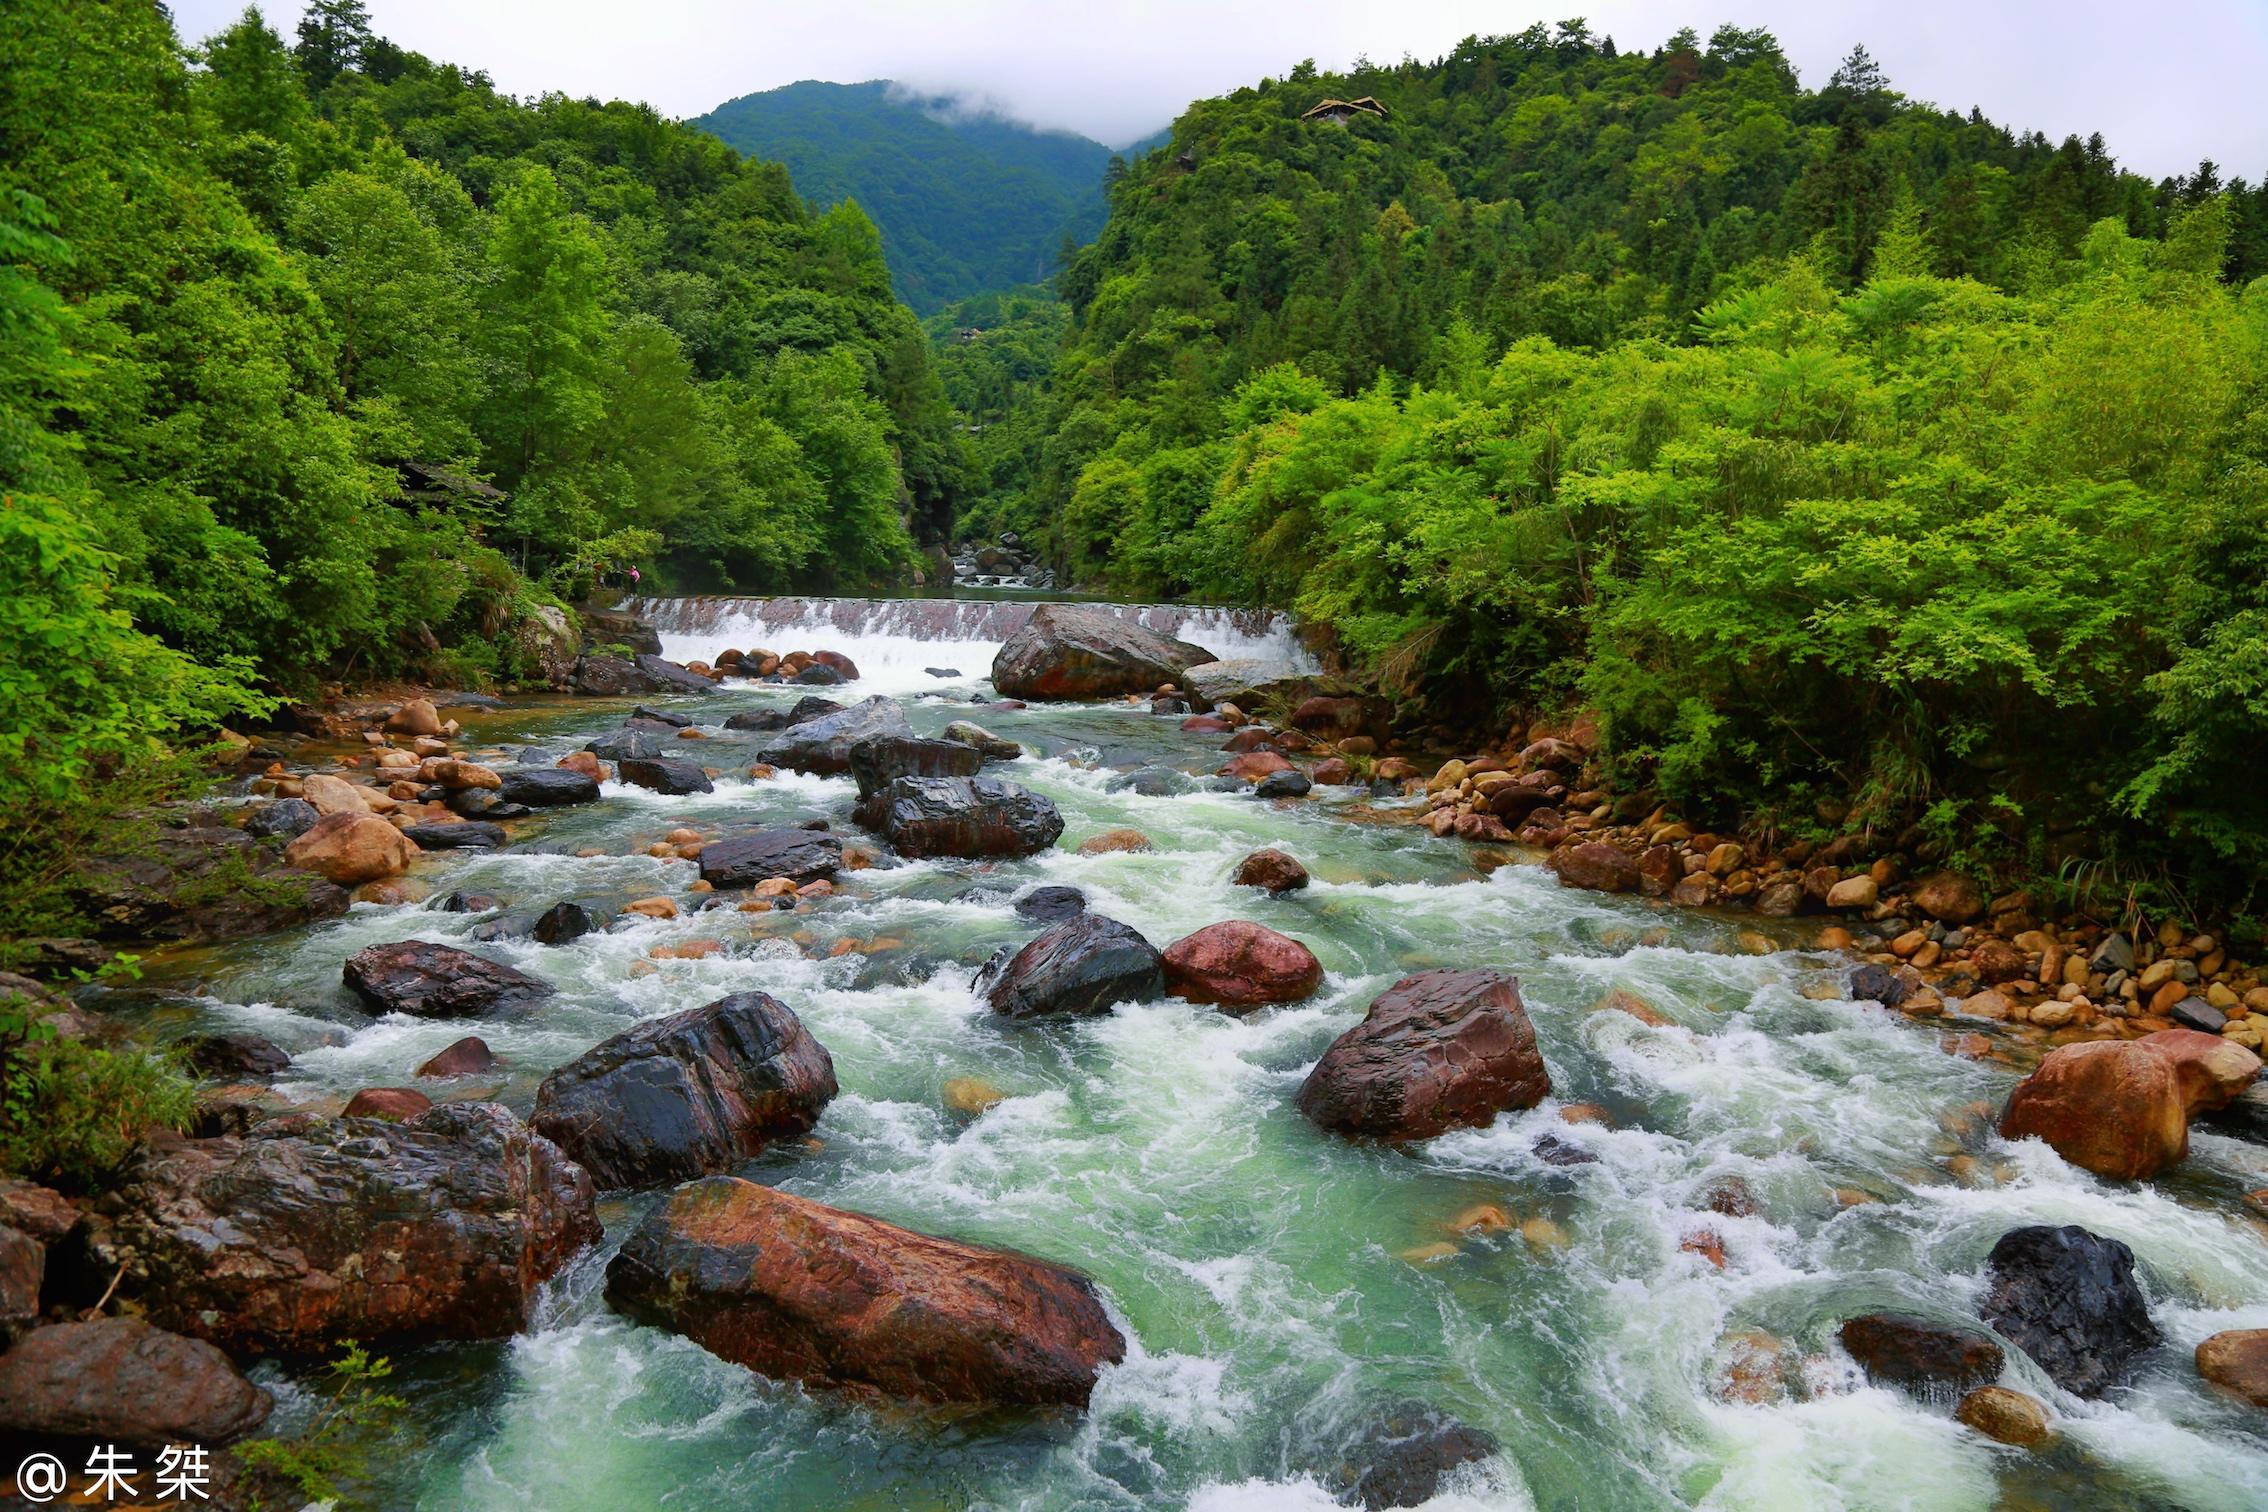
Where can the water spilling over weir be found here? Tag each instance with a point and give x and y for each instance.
(1275, 1284)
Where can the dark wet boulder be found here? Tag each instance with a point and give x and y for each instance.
(1400, 1453)
(469, 1056)
(1083, 965)
(811, 706)
(23, 1275)
(233, 1055)
(1879, 984)
(601, 675)
(819, 675)
(627, 744)
(1921, 1355)
(823, 744)
(566, 921)
(288, 817)
(465, 834)
(121, 1381)
(546, 787)
(881, 761)
(480, 803)
(2068, 1298)
(962, 816)
(800, 855)
(440, 981)
(799, 1291)
(688, 1093)
(942, 671)
(308, 1230)
(670, 717)
(1051, 905)
(665, 676)
(1289, 783)
(1441, 1050)
(760, 720)
(466, 903)
(1239, 966)
(1080, 651)
(615, 627)
(666, 776)
(837, 662)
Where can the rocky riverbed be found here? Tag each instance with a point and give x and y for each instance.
(1258, 1139)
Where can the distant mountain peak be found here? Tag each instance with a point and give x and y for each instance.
(969, 198)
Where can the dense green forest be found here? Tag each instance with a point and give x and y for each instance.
(968, 202)
(995, 355)
(323, 359)
(1864, 464)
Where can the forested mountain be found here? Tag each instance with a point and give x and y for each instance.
(328, 359)
(1864, 464)
(995, 355)
(968, 202)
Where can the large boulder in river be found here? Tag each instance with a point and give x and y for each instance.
(628, 743)
(1441, 1050)
(120, 1380)
(440, 981)
(546, 787)
(2121, 1108)
(663, 775)
(309, 1230)
(603, 676)
(1401, 1453)
(688, 1093)
(1596, 865)
(969, 817)
(2068, 1298)
(1240, 966)
(803, 1292)
(823, 745)
(988, 745)
(883, 760)
(1272, 871)
(1083, 965)
(1079, 651)
(1253, 682)
(345, 849)
(800, 855)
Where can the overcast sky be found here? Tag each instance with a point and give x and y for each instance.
(2166, 82)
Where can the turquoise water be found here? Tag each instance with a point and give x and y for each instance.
(1272, 1281)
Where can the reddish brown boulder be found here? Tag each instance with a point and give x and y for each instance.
(2237, 1362)
(1332, 716)
(1204, 724)
(1921, 1354)
(23, 1270)
(1659, 871)
(687, 1093)
(1240, 966)
(396, 1103)
(836, 661)
(1272, 870)
(45, 1214)
(309, 1230)
(1947, 896)
(1998, 961)
(1394, 769)
(440, 981)
(347, 848)
(799, 1291)
(1332, 771)
(1254, 765)
(2122, 1108)
(120, 1380)
(469, 1056)
(1596, 865)
(1551, 754)
(1481, 827)
(1250, 738)
(1441, 1050)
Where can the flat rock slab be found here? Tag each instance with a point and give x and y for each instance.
(467, 834)
(799, 1291)
(800, 855)
(688, 1093)
(440, 981)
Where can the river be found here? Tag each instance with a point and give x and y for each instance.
(1256, 1265)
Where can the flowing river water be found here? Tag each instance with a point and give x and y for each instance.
(1274, 1282)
